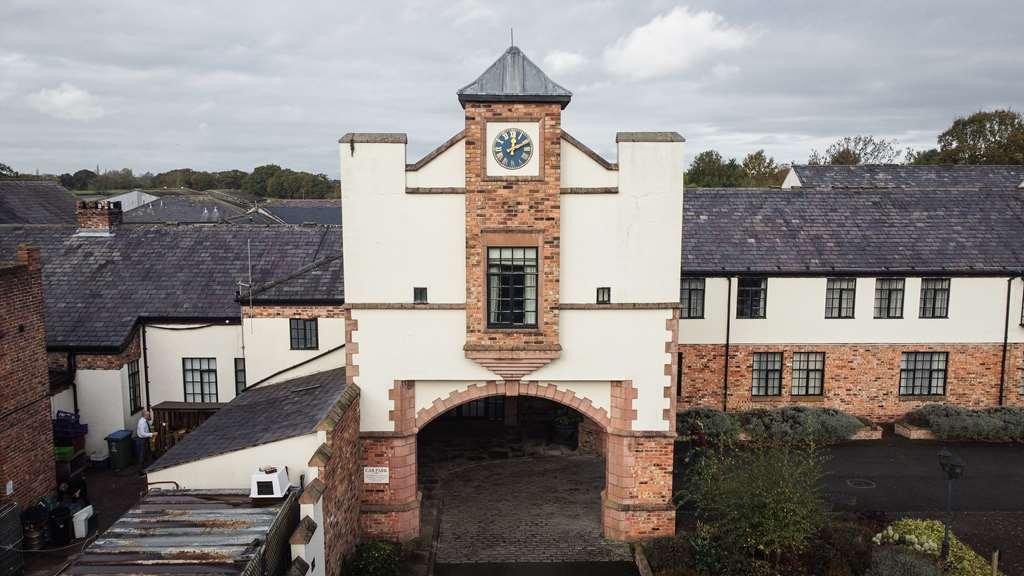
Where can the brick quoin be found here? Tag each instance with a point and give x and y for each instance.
(862, 379)
(26, 436)
(341, 479)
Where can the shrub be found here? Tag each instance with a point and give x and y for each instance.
(800, 424)
(844, 548)
(716, 426)
(1001, 424)
(925, 536)
(670, 556)
(374, 559)
(764, 502)
(899, 561)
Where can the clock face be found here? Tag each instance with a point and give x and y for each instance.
(512, 148)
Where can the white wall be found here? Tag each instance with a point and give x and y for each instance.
(268, 348)
(101, 406)
(65, 401)
(167, 344)
(628, 241)
(448, 170)
(312, 553)
(616, 345)
(796, 314)
(580, 171)
(235, 469)
(408, 345)
(791, 179)
(396, 241)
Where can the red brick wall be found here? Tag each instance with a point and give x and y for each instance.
(110, 361)
(390, 511)
(638, 496)
(26, 438)
(499, 209)
(341, 478)
(307, 311)
(862, 379)
(98, 215)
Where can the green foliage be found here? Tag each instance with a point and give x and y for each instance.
(373, 559)
(764, 502)
(853, 150)
(256, 183)
(81, 180)
(925, 537)
(670, 556)
(799, 424)
(843, 549)
(716, 426)
(899, 561)
(985, 137)
(948, 422)
(291, 184)
(6, 171)
(710, 170)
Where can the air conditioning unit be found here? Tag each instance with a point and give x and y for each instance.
(269, 482)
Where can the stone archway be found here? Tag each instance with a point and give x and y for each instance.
(636, 501)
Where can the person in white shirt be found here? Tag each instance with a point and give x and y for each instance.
(142, 435)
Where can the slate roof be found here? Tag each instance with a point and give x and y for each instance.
(910, 176)
(514, 78)
(95, 288)
(320, 282)
(265, 414)
(36, 202)
(319, 211)
(186, 208)
(862, 230)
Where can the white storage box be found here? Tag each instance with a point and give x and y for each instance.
(81, 522)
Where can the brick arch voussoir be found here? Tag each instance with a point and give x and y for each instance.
(549, 391)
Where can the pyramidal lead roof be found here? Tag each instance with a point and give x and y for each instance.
(514, 78)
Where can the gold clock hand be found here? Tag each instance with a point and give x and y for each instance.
(515, 147)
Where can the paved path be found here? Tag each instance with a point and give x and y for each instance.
(525, 510)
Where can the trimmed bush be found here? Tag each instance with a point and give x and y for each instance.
(800, 424)
(899, 561)
(925, 536)
(948, 422)
(670, 556)
(374, 559)
(715, 426)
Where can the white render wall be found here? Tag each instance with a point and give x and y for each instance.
(101, 405)
(268, 348)
(396, 241)
(628, 241)
(234, 470)
(796, 314)
(448, 170)
(167, 344)
(580, 171)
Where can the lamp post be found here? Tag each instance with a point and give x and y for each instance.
(954, 467)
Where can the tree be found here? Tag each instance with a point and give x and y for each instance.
(203, 181)
(930, 156)
(122, 179)
(854, 150)
(761, 170)
(708, 170)
(230, 179)
(256, 183)
(6, 171)
(81, 180)
(994, 137)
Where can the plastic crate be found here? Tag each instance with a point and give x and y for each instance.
(63, 453)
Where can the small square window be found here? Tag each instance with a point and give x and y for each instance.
(419, 295)
(303, 332)
(604, 295)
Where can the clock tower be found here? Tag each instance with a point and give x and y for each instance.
(513, 138)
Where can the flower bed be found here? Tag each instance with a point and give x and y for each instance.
(947, 422)
(925, 537)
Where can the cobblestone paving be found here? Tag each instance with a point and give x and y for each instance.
(536, 509)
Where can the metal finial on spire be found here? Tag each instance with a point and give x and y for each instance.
(512, 36)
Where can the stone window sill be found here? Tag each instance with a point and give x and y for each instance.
(774, 398)
(925, 398)
(807, 397)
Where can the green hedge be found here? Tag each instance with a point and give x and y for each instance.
(947, 422)
(791, 424)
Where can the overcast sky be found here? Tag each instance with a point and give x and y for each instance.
(155, 85)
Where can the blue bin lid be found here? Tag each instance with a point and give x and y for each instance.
(119, 435)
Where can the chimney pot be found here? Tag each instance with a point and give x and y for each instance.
(98, 216)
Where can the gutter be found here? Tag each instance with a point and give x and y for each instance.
(145, 366)
(1006, 341)
(728, 328)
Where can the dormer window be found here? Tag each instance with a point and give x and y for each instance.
(512, 287)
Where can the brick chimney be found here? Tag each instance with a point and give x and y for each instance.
(98, 217)
(29, 256)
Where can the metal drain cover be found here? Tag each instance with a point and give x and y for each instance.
(860, 483)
